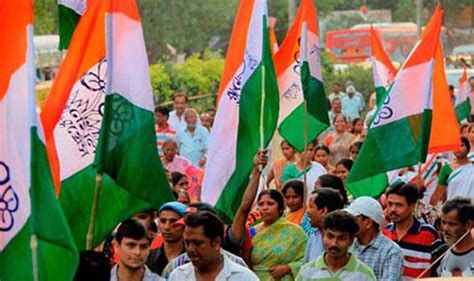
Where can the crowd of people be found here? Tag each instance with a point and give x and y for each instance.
(303, 224)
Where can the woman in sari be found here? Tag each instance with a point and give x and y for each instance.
(279, 245)
(339, 141)
(293, 191)
(277, 167)
(304, 165)
(456, 178)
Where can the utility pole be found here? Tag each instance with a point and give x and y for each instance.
(291, 11)
(419, 15)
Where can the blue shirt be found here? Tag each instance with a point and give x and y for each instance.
(351, 107)
(193, 147)
(383, 256)
(314, 247)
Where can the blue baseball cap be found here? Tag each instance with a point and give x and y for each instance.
(174, 206)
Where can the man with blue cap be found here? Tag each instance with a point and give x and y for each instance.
(171, 230)
(371, 247)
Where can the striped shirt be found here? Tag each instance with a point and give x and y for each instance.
(417, 247)
(317, 269)
(162, 135)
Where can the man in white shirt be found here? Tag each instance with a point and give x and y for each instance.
(352, 104)
(336, 92)
(203, 236)
(176, 117)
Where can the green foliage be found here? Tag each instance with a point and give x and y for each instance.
(46, 16)
(198, 75)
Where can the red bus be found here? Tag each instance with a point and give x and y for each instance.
(353, 45)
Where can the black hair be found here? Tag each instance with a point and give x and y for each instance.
(323, 147)
(334, 182)
(275, 195)
(131, 228)
(212, 224)
(356, 144)
(470, 78)
(341, 221)
(408, 190)
(328, 198)
(210, 110)
(465, 141)
(163, 110)
(337, 115)
(202, 206)
(336, 83)
(451, 88)
(296, 185)
(285, 141)
(463, 206)
(180, 94)
(346, 162)
(176, 177)
(93, 266)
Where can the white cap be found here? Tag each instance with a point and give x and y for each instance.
(350, 89)
(368, 207)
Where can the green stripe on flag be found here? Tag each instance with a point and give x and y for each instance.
(292, 128)
(248, 135)
(388, 147)
(57, 254)
(68, 20)
(463, 110)
(380, 93)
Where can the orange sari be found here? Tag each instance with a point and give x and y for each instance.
(296, 217)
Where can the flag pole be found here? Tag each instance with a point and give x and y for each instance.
(95, 202)
(102, 142)
(34, 255)
(305, 179)
(262, 108)
(303, 57)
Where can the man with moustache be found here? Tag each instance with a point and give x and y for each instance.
(457, 221)
(203, 236)
(172, 232)
(417, 239)
(337, 263)
(193, 139)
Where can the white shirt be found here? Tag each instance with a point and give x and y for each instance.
(176, 124)
(231, 271)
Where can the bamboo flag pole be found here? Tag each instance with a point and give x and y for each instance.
(262, 108)
(303, 58)
(34, 255)
(95, 203)
(102, 143)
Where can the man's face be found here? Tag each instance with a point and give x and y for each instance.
(462, 152)
(179, 104)
(133, 253)
(191, 119)
(201, 250)
(171, 231)
(336, 242)
(316, 216)
(206, 120)
(160, 118)
(337, 106)
(451, 227)
(336, 88)
(169, 151)
(364, 226)
(398, 208)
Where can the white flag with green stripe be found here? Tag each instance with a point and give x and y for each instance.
(69, 13)
(462, 102)
(247, 103)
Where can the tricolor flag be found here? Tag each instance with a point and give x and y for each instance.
(35, 240)
(462, 101)
(382, 67)
(400, 133)
(69, 13)
(101, 101)
(247, 109)
(300, 80)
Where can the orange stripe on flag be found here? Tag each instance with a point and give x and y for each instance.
(236, 50)
(126, 7)
(80, 58)
(13, 39)
(377, 50)
(284, 58)
(427, 47)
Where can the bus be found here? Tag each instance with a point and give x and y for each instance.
(353, 45)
